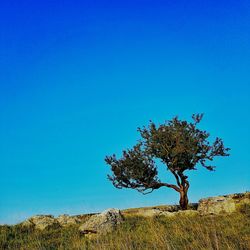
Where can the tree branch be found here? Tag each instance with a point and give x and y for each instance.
(157, 185)
(162, 184)
(184, 181)
(187, 185)
(176, 177)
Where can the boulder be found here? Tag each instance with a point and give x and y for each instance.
(158, 212)
(167, 208)
(216, 205)
(153, 212)
(222, 204)
(187, 212)
(240, 198)
(102, 223)
(66, 220)
(41, 222)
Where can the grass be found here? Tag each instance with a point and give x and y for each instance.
(180, 232)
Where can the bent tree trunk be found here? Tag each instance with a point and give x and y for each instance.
(183, 199)
(183, 186)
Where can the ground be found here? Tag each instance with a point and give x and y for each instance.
(231, 231)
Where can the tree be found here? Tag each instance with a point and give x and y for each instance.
(180, 145)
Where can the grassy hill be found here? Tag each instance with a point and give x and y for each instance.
(230, 231)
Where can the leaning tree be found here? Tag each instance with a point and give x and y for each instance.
(180, 145)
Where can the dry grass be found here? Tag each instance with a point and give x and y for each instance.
(180, 232)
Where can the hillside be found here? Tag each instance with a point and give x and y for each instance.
(159, 227)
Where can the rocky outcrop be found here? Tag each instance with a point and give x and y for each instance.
(66, 220)
(223, 204)
(108, 220)
(157, 212)
(151, 212)
(167, 210)
(41, 222)
(189, 213)
(102, 223)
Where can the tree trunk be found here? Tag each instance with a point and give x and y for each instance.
(183, 199)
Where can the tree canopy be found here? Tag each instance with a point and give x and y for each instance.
(179, 144)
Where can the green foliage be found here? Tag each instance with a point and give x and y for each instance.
(180, 145)
(134, 170)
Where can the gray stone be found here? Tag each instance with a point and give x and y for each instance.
(216, 205)
(222, 204)
(187, 212)
(149, 212)
(66, 220)
(41, 222)
(102, 223)
(158, 212)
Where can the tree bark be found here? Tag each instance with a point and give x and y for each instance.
(184, 186)
(183, 199)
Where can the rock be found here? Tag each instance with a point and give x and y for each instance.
(222, 204)
(216, 205)
(66, 220)
(240, 198)
(41, 222)
(175, 208)
(149, 212)
(168, 208)
(158, 212)
(187, 212)
(27, 223)
(153, 212)
(168, 214)
(102, 223)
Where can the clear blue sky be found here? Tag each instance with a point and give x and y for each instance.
(78, 77)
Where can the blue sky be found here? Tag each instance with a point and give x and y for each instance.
(78, 78)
